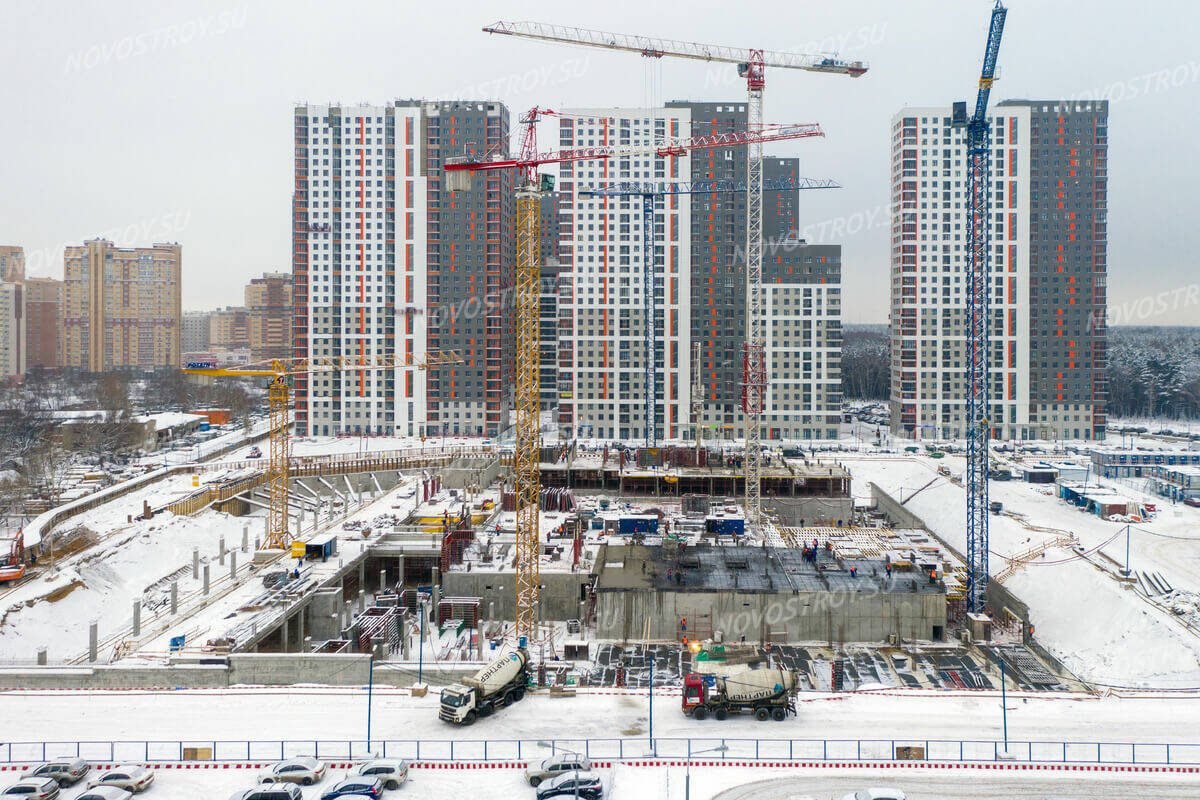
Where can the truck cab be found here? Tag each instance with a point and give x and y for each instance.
(457, 702)
(694, 693)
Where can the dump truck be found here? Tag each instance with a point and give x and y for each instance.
(766, 693)
(501, 683)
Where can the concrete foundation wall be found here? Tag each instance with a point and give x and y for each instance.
(560, 595)
(868, 616)
(812, 511)
(282, 669)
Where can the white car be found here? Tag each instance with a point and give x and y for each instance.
(106, 793)
(393, 772)
(304, 771)
(129, 777)
(876, 794)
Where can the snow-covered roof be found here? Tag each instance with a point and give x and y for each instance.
(172, 419)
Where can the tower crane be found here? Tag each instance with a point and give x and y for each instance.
(531, 189)
(277, 372)
(648, 191)
(979, 228)
(751, 64)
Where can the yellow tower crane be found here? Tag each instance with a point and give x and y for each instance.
(279, 399)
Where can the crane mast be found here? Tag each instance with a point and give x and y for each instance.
(979, 227)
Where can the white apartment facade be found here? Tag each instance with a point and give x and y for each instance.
(359, 250)
(601, 386)
(929, 262)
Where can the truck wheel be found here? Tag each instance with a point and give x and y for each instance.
(469, 719)
(762, 713)
(511, 697)
(486, 709)
(700, 713)
(779, 715)
(722, 713)
(520, 695)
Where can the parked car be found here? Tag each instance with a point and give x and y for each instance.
(66, 772)
(129, 777)
(876, 794)
(360, 786)
(32, 789)
(555, 766)
(106, 793)
(305, 771)
(572, 784)
(393, 772)
(270, 791)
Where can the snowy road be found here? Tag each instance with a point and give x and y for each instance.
(339, 714)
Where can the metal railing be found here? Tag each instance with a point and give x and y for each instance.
(628, 749)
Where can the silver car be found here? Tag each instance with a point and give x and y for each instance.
(32, 789)
(393, 772)
(129, 777)
(66, 772)
(554, 766)
(305, 771)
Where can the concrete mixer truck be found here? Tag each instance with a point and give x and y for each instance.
(501, 683)
(767, 693)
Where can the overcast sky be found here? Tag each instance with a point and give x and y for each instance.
(147, 121)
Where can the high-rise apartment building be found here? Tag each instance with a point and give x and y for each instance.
(121, 306)
(388, 261)
(12, 329)
(43, 307)
(12, 263)
(229, 328)
(194, 336)
(1048, 271)
(602, 356)
(269, 303)
(802, 294)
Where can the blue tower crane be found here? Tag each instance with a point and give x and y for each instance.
(979, 227)
(648, 191)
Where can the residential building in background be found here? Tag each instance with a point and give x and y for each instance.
(602, 361)
(121, 306)
(194, 336)
(12, 263)
(358, 266)
(269, 303)
(229, 328)
(470, 252)
(43, 313)
(1048, 200)
(12, 329)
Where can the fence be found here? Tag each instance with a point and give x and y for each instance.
(710, 750)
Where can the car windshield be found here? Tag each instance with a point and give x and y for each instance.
(453, 699)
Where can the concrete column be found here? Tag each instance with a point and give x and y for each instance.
(41, 657)
(137, 616)
(299, 524)
(256, 544)
(195, 563)
(174, 597)
(362, 600)
(206, 579)
(491, 616)
(93, 640)
(245, 538)
(221, 549)
(232, 564)
(362, 573)
(284, 635)
(382, 581)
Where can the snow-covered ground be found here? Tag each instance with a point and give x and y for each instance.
(1102, 630)
(102, 581)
